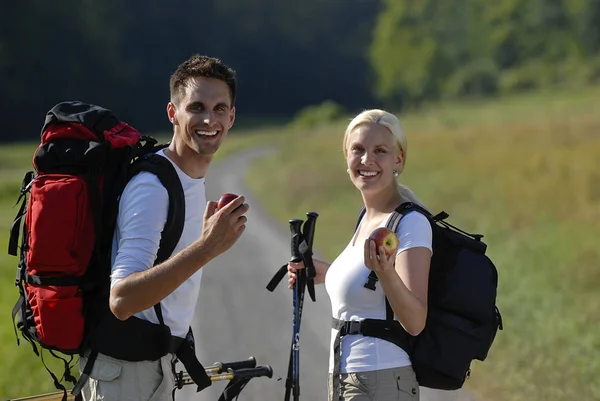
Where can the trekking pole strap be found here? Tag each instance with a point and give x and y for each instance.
(187, 355)
(277, 278)
(233, 389)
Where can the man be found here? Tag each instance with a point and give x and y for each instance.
(202, 111)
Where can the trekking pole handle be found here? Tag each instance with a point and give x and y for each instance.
(309, 228)
(219, 367)
(247, 373)
(258, 371)
(295, 229)
(309, 234)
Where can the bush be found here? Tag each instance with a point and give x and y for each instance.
(479, 77)
(314, 115)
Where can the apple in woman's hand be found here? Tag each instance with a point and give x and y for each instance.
(386, 238)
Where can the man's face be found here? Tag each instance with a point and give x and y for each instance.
(203, 115)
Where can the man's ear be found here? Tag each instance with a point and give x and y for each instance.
(232, 117)
(171, 113)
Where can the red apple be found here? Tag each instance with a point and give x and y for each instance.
(225, 199)
(386, 238)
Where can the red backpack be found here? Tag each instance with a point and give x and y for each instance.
(67, 218)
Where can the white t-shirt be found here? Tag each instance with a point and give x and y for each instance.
(142, 215)
(350, 300)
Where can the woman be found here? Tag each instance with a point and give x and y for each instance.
(371, 368)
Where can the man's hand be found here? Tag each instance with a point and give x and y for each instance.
(222, 228)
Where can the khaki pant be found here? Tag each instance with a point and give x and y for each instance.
(378, 385)
(116, 380)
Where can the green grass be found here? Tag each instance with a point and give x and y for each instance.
(521, 170)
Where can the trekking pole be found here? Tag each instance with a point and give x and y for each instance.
(239, 370)
(219, 367)
(301, 250)
(298, 302)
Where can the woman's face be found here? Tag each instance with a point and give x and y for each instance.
(372, 156)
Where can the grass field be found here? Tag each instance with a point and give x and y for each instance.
(521, 170)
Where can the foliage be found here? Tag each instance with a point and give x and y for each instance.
(288, 55)
(312, 116)
(121, 54)
(433, 48)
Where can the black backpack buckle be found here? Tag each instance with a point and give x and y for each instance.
(353, 327)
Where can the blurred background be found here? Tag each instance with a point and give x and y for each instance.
(500, 101)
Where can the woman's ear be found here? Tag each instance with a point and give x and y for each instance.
(400, 160)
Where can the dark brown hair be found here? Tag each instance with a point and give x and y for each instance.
(202, 66)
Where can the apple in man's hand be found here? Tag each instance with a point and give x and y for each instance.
(225, 199)
(386, 238)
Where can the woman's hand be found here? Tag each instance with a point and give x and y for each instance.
(376, 259)
(320, 268)
(292, 269)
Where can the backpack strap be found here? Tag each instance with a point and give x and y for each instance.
(164, 170)
(168, 177)
(361, 214)
(403, 209)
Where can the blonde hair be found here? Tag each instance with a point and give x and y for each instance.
(391, 122)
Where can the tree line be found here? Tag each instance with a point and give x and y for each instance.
(288, 55)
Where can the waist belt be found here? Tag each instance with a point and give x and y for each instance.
(345, 328)
(137, 340)
(388, 330)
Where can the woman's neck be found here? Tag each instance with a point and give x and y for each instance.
(380, 203)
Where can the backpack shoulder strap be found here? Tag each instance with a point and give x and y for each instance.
(361, 213)
(168, 177)
(173, 229)
(398, 213)
(403, 210)
(411, 206)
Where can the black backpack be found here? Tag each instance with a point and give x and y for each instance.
(462, 318)
(63, 237)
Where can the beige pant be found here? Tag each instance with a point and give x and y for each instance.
(116, 380)
(378, 385)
